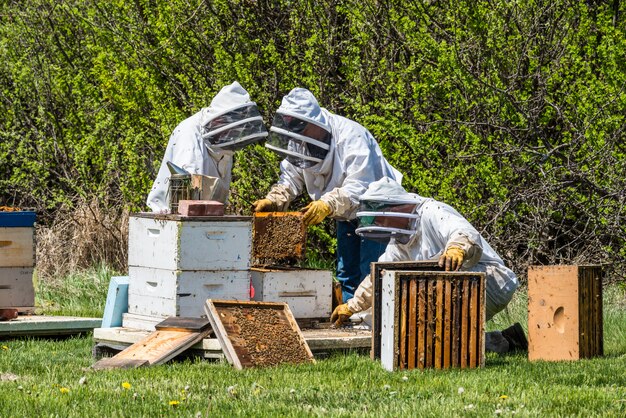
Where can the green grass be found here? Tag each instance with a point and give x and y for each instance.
(79, 294)
(48, 376)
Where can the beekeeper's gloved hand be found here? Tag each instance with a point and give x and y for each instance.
(452, 259)
(315, 212)
(340, 315)
(264, 205)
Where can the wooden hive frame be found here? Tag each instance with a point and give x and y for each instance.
(234, 343)
(263, 230)
(565, 312)
(432, 320)
(376, 275)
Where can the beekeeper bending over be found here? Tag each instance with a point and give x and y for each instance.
(205, 142)
(334, 159)
(424, 229)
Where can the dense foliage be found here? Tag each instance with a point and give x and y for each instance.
(511, 111)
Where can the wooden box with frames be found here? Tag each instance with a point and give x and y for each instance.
(432, 320)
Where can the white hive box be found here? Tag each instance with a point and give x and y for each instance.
(173, 242)
(164, 293)
(16, 287)
(176, 262)
(17, 247)
(307, 292)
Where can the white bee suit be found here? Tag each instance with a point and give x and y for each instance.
(193, 148)
(353, 160)
(440, 226)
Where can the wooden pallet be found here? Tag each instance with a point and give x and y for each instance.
(376, 273)
(432, 320)
(321, 341)
(254, 334)
(172, 337)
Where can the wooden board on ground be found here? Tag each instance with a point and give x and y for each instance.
(38, 325)
(172, 337)
(254, 334)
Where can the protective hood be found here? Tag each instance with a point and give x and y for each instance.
(388, 211)
(300, 130)
(232, 120)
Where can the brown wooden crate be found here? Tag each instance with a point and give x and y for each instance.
(443, 326)
(375, 273)
(564, 312)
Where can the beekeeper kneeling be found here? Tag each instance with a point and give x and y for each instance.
(419, 228)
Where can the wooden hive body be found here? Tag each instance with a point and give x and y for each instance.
(306, 291)
(432, 320)
(17, 260)
(564, 312)
(175, 263)
(376, 272)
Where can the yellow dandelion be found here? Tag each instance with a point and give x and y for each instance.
(174, 403)
(64, 390)
(126, 385)
(503, 397)
(4, 347)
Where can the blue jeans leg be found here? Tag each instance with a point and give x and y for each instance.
(354, 255)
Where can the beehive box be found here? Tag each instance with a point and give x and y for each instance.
(17, 247)
(165, 293)
(564, 312)
(17, 259)
(376, 275)
(278, 237)
(432, 320)
(257, 334)
(16, 287)
(174, 242)
(308, 292)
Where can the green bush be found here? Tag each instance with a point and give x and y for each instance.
(513, 112)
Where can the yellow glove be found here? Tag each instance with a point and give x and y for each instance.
(340, 315)
(315, 212)
(264, 205)
(452, 259)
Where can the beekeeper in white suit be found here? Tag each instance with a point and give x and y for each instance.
(424, 229)
(205, 142)
(334, 159)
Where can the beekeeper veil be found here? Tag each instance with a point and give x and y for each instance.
(300, 130)
(388, 211)
(232, 120)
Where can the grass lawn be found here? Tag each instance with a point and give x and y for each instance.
(47, 377)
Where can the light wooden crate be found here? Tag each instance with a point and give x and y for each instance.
(376, 271)
(432, 320)
(564, 312)
(16, 287)
(163, 293)
(17, 247)
(174, 242)
(307, 292)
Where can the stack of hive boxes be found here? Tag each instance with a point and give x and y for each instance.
(175, 263)
(17, 260)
